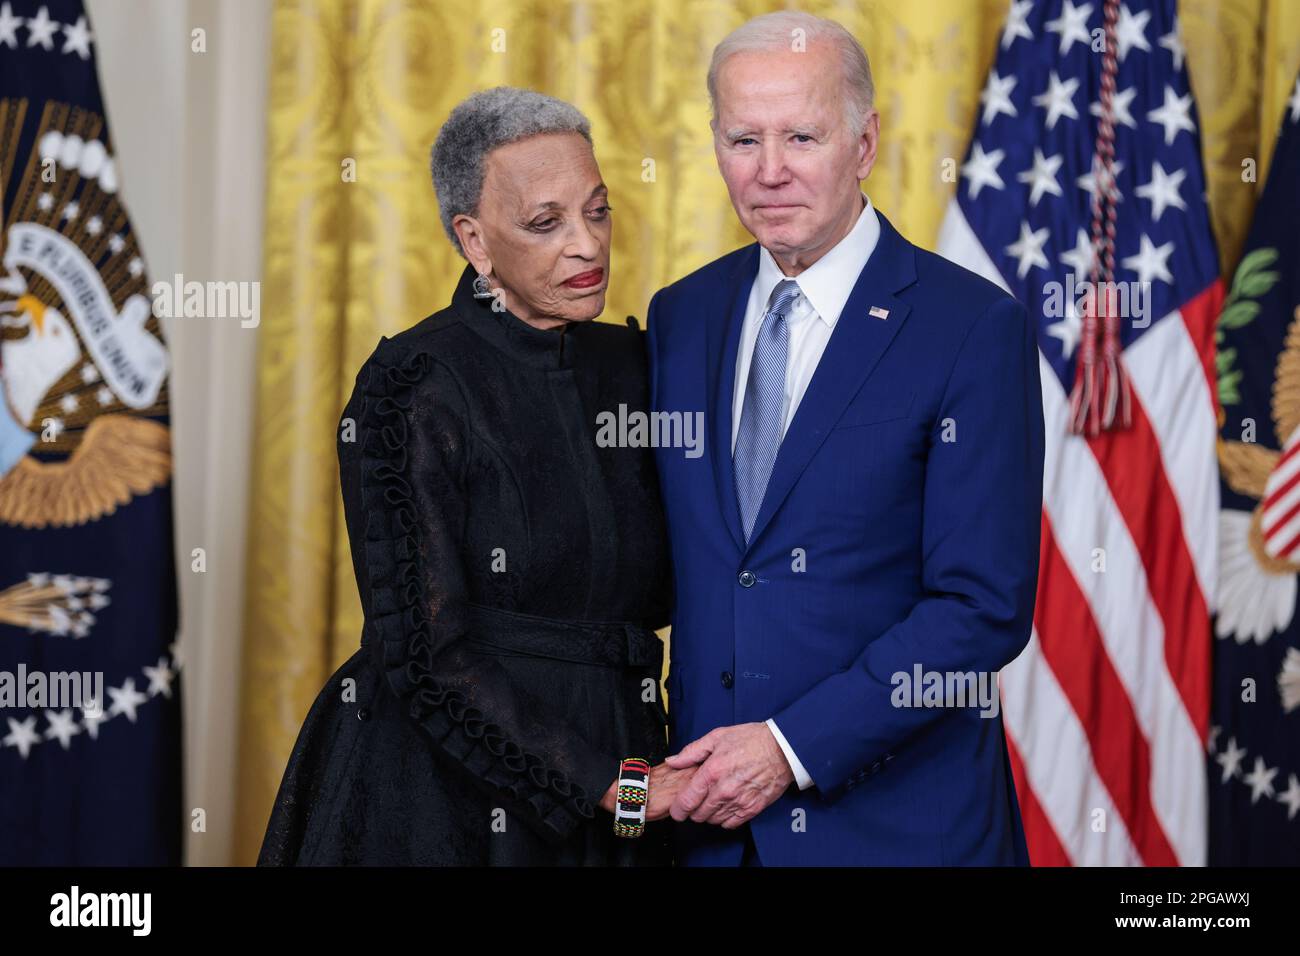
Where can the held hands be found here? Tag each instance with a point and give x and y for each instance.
(740, 771)
(727, 777)
(665, 784)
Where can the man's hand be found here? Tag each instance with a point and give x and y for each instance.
(742, 772)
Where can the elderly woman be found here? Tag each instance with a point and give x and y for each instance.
(511, 569)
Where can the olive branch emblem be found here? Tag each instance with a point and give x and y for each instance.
(1252, 280)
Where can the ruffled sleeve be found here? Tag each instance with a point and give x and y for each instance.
(404, 491)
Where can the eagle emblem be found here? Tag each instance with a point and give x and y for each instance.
(1260, 549)
(83, 366)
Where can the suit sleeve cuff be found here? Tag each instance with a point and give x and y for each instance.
(800, 774)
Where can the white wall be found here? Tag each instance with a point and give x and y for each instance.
(190, 138)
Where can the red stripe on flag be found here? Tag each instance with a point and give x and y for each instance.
(1277, 524)
(1073, 648)
(1287, 548)
(1200, 313)
(1130, 461)
(1045, 848)
(1273, 499)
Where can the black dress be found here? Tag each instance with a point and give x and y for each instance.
(511, 571)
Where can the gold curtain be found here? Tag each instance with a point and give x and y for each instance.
(354, 248)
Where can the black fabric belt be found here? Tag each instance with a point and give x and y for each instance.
(612, 644)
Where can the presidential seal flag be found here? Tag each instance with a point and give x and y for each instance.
(89, 695)
(1255, 734)
(1083, 194)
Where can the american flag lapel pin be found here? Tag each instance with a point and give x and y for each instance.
(876, 312)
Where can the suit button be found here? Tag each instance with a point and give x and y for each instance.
(746, 579)
(727, 679)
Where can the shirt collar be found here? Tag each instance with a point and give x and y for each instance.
(828, 282)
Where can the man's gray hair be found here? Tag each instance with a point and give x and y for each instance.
(478, 125)
(781, 31)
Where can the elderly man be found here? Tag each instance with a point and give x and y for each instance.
(862, 538)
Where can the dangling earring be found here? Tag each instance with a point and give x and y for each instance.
(482, 287)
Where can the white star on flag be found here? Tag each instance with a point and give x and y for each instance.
(42, 30)
(982, 169)
(22, 734)
(77, 38)
(1072, 25)
(160, 678)
(1150, 262)
(1290, 797)
(1119, 106)
(1163, 190)
(126, 699)
(1130, 32)
(91, 719)
(1028, 249)
(9, 25)
(997, 97)
(1081, 257)
(1260, 780)
(1058, 99)
(1089, 182)
(1042, 176)
(1017, 25)
(1230, 760)
(62, 727)
(1174, 44)
(1173, 114)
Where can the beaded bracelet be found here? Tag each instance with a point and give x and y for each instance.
(633, 796)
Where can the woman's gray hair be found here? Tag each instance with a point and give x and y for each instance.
(777, 31)
(478, 125)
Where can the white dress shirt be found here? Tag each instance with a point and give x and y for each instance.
(824, 289)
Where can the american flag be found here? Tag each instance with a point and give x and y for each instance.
(1107, 709)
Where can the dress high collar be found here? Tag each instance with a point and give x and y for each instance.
(539, 348)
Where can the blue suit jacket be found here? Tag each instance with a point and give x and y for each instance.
(900, 528)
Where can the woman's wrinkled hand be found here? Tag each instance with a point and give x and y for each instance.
(665, 783)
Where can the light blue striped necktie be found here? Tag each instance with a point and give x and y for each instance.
(763, 413)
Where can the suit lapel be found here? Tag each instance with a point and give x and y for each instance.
(851, 355)
(723, 322)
